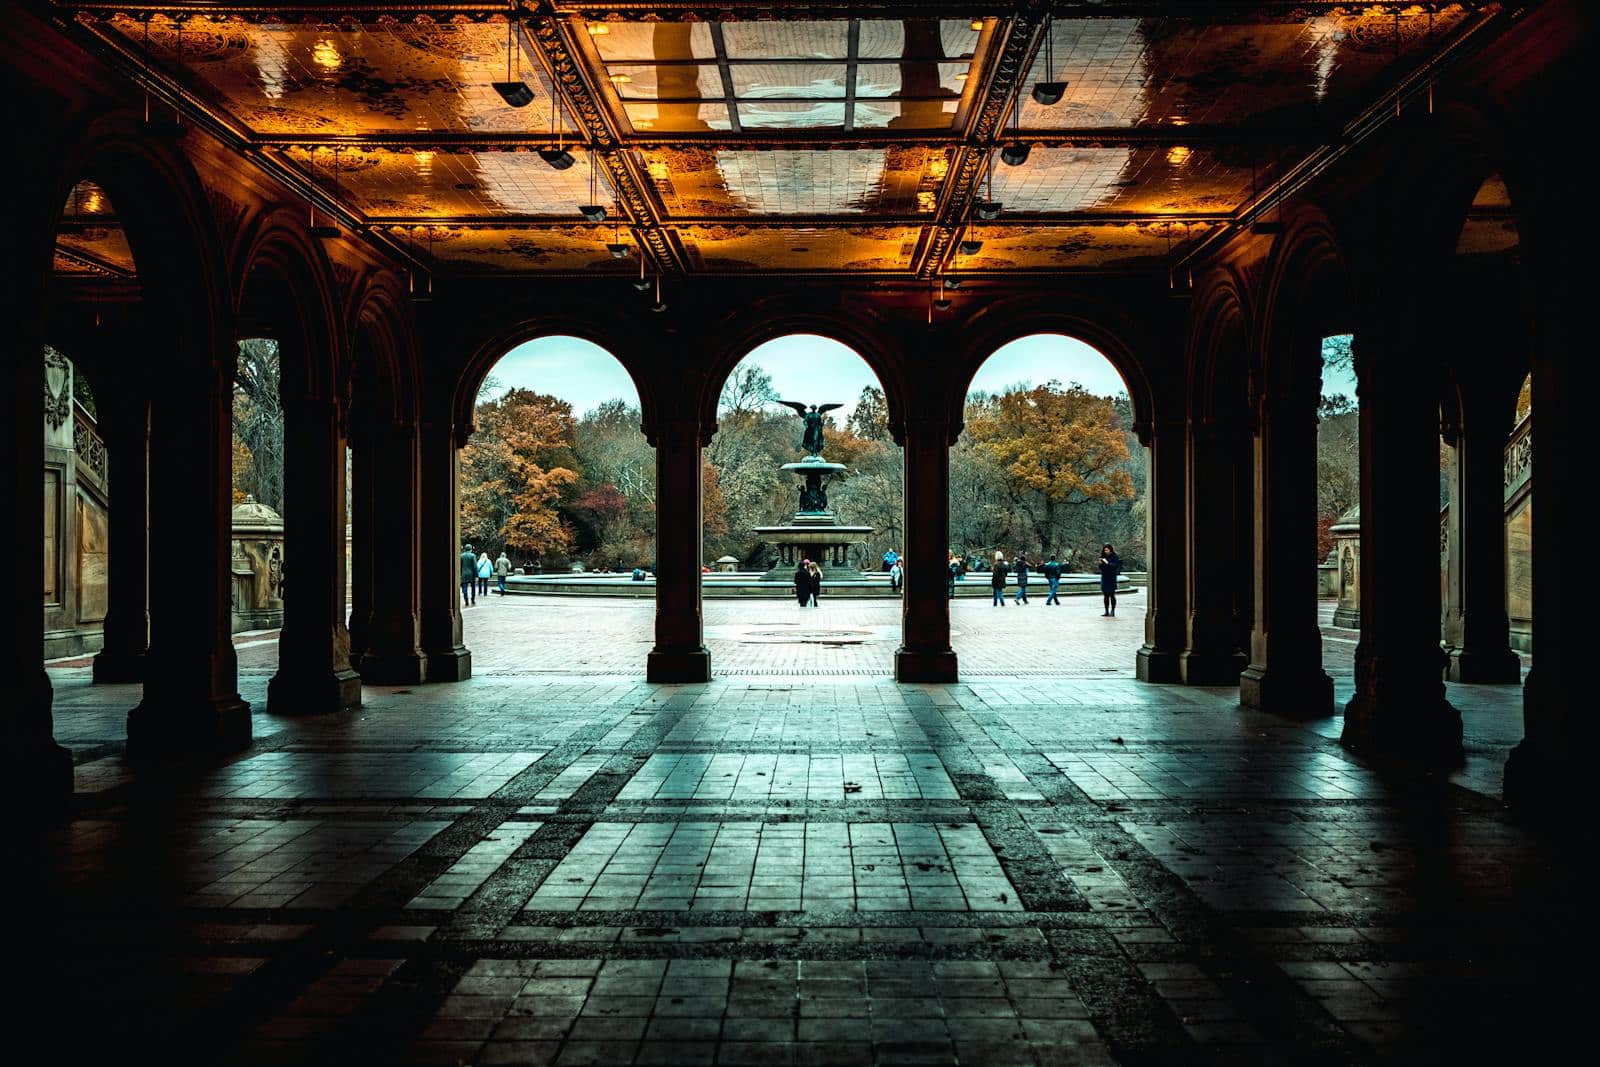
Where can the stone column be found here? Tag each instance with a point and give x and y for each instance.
(680, 652)
(1285, 674)
(314, 672)
(125, 422)
(1211, 655)
(393, 653)
(925, 654)
(439, 555)
(1478, 629)
(1166, 610)
(1399, 711)
(191, 689)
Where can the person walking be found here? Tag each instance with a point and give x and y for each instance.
(1110, 567)
(997, 579)
(1021, 570)
(802, 582)
(896, 576)
(1052, 574)
(502, 571)
(954, 568)
(469, 577)
(815, 584)
(485, 572)
(890, 558)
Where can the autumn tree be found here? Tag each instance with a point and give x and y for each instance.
(517, 472)
(1057, 450)
(870, 419)
(258, 423)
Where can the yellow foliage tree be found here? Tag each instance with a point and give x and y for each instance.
(1057, 448)
(517, 470)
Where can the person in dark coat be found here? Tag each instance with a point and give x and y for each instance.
(814, 584)
(955, 572)
(1021, 571)
(802, 583)
(997, 579)
(1110, 567)
(1052, 574)
(469, 577)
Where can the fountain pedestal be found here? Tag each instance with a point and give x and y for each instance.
(815, 533)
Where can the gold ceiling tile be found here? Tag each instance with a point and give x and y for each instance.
(1131, 246)
(677, 118)
(1161, 181)
(651, 40)
(565, 249)
(106, 245)
(719, 183)
(639, 81)
(787, 40)
(733, 248)
(440, 185)
(1137, 72)
(279, 78)
(757, 81)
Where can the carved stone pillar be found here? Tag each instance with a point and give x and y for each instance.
(314, 672)
(191, 688)
(1399, 711)
(364, 443)
(1166, 611)
(680, 653)
(393, 653)
(1477, 626)
(1211, 655)
(1285, 674)
(439, 557)
(125, 422)
(925, 654)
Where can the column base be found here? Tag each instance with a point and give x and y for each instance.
(160, 729)
(925, 666)
(396, 668)
(313, 692)
(1413, 728)
(1302, 694)
(1501, 667)
(1347, 618)
(1211, 668)
(676, 667)
(451, 665)
(116, 668)
(1155, 665)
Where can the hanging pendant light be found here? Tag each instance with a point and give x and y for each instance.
(942, 302)
(660, 305)
(1049, 92)
(514, 91)
(641, 283)
(592, 212)
(1015, 155)
(558, 157)
(989, 210)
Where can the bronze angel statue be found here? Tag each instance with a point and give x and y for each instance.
(811, 439)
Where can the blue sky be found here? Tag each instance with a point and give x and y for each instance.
(815, 370)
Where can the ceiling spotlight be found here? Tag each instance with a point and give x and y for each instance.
(1014, 155)
(658, 307)
(970, 247)
(941, 304)
(618, 250)
(558, 158)
(516, 93)
(642, 284)
(952, 283)
(977, 24)
(592, 212)
(1048, 93)
(989, 210)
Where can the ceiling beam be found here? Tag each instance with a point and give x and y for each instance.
(1303, 135)
(547, 36)
(1002, 71)
(819, 222)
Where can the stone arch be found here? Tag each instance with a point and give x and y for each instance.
(284, 285)
(1307, 296)
(767, 323)
(586, 325)
(1219, 344)
(1005, 321)
(383, 357)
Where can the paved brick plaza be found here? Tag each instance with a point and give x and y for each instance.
(582, 868)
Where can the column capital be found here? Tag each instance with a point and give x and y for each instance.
(682, 431)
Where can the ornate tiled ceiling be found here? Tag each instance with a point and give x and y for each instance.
(851, 138)
(90, 241)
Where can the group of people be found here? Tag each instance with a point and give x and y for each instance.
(808, 583)
(891, 563)
(476, 572)
(1110, 565)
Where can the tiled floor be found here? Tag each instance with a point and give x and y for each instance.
(585, 868)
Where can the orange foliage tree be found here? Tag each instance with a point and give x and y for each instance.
(1057, 449)
(517, 472)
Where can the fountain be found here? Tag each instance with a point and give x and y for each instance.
(815, 532)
